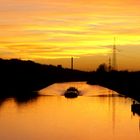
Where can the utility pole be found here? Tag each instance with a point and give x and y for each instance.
(109, 64)
(114, 60)
(72, 63)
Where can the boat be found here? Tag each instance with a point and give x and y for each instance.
(135, 107)
(71, 92)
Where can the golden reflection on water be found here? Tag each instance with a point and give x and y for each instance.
(55, 117)
(85, 89)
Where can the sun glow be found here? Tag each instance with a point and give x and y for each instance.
(44, 30)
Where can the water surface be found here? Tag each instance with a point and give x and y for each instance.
(98, 113)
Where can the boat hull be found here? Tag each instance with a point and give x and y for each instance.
(71, 92)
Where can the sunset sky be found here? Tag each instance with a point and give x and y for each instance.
(52, 31)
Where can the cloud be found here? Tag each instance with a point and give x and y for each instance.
(53, 52)
(52, 29)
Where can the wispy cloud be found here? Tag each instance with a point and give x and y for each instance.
(52, 29)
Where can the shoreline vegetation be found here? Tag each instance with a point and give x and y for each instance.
(22, 79)
(123, 82)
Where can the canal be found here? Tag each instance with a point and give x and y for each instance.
(98, 113)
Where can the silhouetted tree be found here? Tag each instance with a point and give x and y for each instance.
(102, 68)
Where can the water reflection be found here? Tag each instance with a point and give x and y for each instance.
(98, 113)
(20, 99)
(83, 88)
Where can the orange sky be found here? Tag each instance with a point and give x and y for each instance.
(51, 31)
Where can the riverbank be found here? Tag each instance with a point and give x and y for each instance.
(123, 82)
(19, 78)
